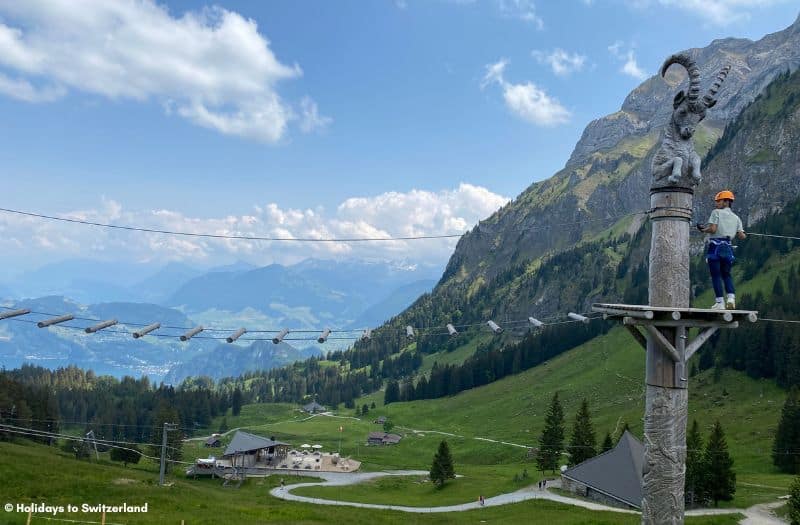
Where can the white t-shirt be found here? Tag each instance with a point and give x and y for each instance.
(728, 223)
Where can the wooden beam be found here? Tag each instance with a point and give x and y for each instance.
(617, 312)
(698, 341)
(688, 323)
(662, 342)
(637, 335)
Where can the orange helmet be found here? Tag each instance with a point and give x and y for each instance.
(724, 194)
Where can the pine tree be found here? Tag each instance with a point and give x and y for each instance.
(720, 479)
(236, 402)
(129, 454)
(794, 502)
(787, 438)
(608, 443)
(583, 444)
(551, 443)
(166, 414)
(442, 467)
(392, 393)
(695, 470)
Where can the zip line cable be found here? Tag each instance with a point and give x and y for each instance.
(426, 329)
(299, 239)
(422, 330)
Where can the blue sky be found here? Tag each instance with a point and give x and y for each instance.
(385, 117)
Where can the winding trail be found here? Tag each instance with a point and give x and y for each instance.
(756, 515)
(338, 479)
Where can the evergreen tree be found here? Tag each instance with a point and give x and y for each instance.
(129, 454)
(583, 444)
(442, 467)
(608, 443)
(551, 443)
(720, 479)
(365, 409)
(787, 438)
(392, 393)
(794, 502)
(223, 426)
(695, 470)
(236, 402)
(166, 414)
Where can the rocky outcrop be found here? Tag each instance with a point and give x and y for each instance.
(523, 259)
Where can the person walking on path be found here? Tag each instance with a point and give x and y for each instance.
(723, 225)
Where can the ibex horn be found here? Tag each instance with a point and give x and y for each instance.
(694, 73)
(708, 98)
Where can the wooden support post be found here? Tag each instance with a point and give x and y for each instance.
(698, 341)
(666, 397)
(637, 335)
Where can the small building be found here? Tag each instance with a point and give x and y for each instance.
(383, 438)
(613, 477)
(381, 420)
(214, 441)
(314, 408)
(246, 450)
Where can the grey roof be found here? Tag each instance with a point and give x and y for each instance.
(617, 473)
(246, 442)
(313, 406)
(212, 440)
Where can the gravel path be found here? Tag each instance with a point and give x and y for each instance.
(755, 515)
(339, 479)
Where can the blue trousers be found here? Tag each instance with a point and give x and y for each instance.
(720, 269)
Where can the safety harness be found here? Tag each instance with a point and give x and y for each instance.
(720, 248)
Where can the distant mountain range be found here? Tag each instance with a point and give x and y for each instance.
(309, 295)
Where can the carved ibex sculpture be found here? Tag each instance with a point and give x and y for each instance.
(676, 158)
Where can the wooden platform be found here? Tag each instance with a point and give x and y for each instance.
(653, 318)
(668, 316)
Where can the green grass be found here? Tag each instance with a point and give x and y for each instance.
(29, 469)
(607, 371)
(456, 357)
(418, 491)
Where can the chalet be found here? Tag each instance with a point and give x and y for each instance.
(313, 408)
(613, 478)
(381, 420)
(383, 438)
(247, 450)
(214, 441)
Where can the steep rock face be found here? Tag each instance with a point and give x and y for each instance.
(758, 157)
(561, 244)
(607, 175)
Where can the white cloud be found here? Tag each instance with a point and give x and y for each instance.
(212, 67)
(716, 12)
(524, 10)
(561, 62)
(527, 101)
(628, 58)
(310, 119)
(391, 214)
(631, 68)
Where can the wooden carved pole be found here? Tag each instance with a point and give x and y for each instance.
(666, 401)
(676, 171)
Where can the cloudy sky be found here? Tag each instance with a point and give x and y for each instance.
(310, 119)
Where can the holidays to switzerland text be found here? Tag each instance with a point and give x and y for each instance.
(86, 508)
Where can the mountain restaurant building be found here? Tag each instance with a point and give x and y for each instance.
(613, 477)
(250, 450)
